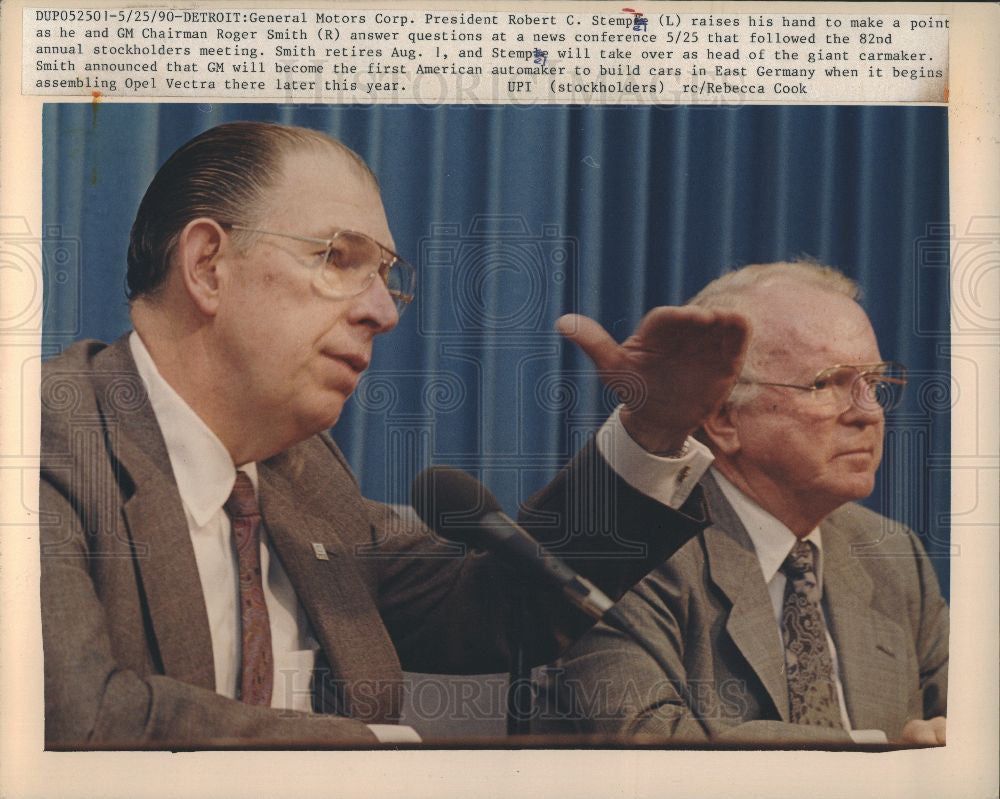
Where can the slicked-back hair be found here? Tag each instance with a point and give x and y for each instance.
(224, 173)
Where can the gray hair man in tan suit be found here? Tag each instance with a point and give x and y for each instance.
(796, 615)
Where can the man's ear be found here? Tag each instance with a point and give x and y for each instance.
(721, 429)
(199, 247)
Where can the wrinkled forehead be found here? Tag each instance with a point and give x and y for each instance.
(320, 189)
(802, 330)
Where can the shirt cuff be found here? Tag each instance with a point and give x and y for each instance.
(669, 480)
(394, 733)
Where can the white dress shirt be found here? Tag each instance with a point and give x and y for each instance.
(668, 480)
(205, 476)
(773, 542)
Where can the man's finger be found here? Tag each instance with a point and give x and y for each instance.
(723, 331)
(730, 332)
(918, 731)
(735, 333)
(589, 336)
(939, 725)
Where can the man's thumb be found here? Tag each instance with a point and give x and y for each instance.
(589, 336)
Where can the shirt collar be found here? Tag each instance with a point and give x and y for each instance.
(202, 467)
(771, 539)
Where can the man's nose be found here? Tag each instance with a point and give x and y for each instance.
(866, 404)
(375, 307)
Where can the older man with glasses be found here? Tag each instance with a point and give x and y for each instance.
(796, 615)
(209, 567)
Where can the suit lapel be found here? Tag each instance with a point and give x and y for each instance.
(339, 605)
(734, 568)
(361, 655)
(870, 646)
(164, 555)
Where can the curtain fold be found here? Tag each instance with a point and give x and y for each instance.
(515, 215)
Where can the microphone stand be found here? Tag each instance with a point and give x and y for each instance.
(519, 691)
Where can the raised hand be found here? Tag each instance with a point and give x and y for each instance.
(672, 372)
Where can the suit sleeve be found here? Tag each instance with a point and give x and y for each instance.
(608, 684)
(449, 610)
(90, 697)
(930, 620)
(606, 529)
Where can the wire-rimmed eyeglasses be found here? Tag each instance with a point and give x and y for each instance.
(348, 263)
(869, 386)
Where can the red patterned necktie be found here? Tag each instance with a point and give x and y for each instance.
(812, 693)
(257, 668)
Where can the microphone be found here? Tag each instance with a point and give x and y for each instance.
(460, 508)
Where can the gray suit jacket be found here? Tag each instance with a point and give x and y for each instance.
(707, 610)
(128, 652)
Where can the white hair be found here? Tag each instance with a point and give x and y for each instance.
(730, 290)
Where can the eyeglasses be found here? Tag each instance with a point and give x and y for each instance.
(348, 263)
(870, 386)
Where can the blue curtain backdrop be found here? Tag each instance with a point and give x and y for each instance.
(516, 215)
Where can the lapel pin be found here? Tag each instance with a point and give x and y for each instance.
(320, 552)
